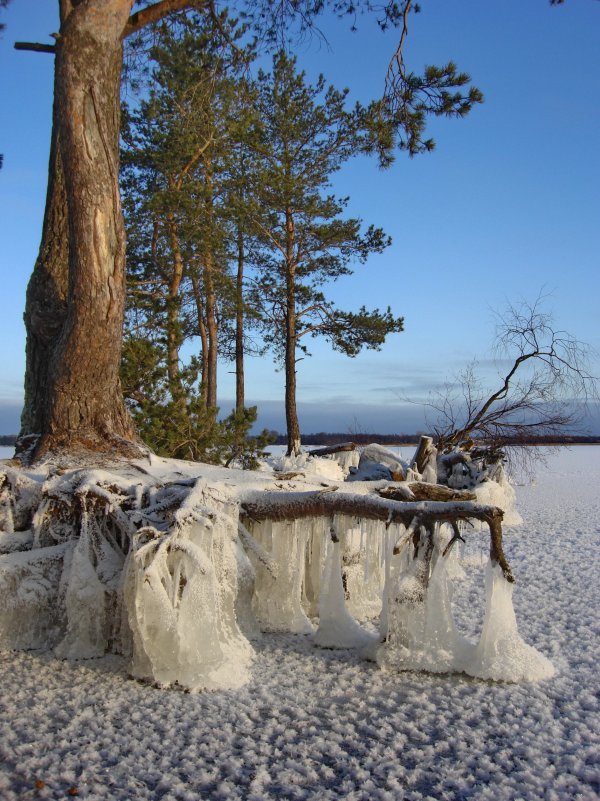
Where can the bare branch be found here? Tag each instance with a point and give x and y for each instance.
(548, 371)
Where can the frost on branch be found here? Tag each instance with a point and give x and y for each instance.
(180, 572)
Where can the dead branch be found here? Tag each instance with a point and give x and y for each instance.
(35, 47)
(300, 505)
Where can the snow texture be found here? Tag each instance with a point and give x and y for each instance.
(314, 723)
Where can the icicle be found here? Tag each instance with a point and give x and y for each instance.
(337, 627)
(278, 598)
(501, 653)
(85, 601)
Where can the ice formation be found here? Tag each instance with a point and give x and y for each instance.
(337, 627)
(421, 634)
(501, 653)
(168, 567)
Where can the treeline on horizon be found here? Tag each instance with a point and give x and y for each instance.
(324, 438)
(362, 438)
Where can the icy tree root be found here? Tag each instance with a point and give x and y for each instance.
(180, 573)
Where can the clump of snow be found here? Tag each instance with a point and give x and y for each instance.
(377, 463)
(16, 541)
(319, 466)
(500, 493)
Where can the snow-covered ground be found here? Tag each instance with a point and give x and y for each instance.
(321, 724)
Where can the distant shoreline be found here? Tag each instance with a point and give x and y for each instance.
(324, 439)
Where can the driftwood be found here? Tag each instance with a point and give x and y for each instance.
(413, 514)
(420, 491)
(343, 447)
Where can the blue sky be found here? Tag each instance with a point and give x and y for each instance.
(507, 206)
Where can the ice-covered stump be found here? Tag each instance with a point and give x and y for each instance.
(151, 564)
(152, 559)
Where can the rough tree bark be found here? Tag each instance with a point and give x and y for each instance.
(46, 301)
(76, 296)
(87, 353)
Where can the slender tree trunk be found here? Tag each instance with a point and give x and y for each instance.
(212, 332)
(211, 298)
(291, 414)
(203, 340)
(173, 311)
(83, 405)
(239, 325)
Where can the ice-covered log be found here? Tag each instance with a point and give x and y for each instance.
(296, 505)
(343, 447)
(420, 491)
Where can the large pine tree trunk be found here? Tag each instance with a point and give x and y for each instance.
(46, 303)
(82, 406)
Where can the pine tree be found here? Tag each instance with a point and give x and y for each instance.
(307, 135)
(184, 222)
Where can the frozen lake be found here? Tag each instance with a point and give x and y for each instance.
(322, 724)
